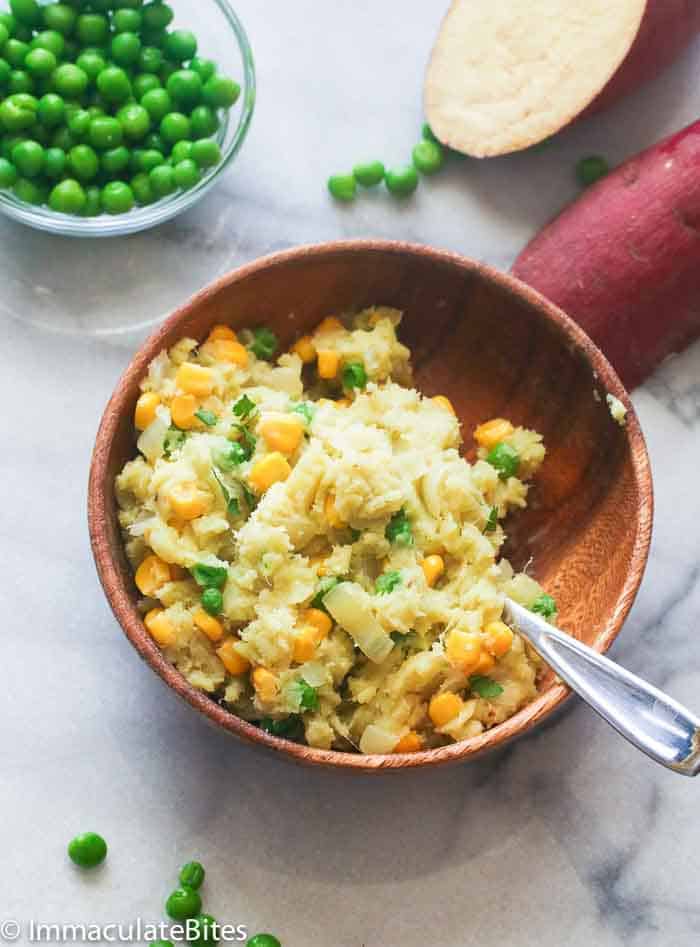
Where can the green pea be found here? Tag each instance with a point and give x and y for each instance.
(54, 162)
(51, 110)
(70, 80)
(113, 84)
(398, 529)
(115, 160)
(205, 68)
(369, 174)
(147, 159)
(401, 181)
(203, 121)
(156, 16)
(161, 943)
(186, 174)
(5, 70)
(8, 173)
(117, 198)
(60, 17)
(150, 60)
(92, 29)
(182, 150)
(127, 21)
(4, 34)
(92, 63)
(162, 179)
(134, 120)
(206, 153)
(342, 187)
(142, 83)
(125, 49)
(180, 46)
(15, 52)
(205, 932)
(89, 849)
(183, 903)
(9, 22)
(28, 158)
(142, 190)
(79, 123)
(84, 162)
(154, 141)
(185, 88)
(592, 169)
(40, 62)
(20, 81)
(212, 601)
(175, 127)
(220, 93)
(428, 157)
(67, 197)
(354, 375)
(31, 192)
(505, 459)
(157, 103)
(263, 940)
(18, 112)
(192, 875)
(27, 12)
(105, 132)
(50, 40)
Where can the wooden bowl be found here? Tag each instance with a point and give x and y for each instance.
(494, 347)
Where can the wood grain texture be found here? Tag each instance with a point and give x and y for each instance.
(494, 347)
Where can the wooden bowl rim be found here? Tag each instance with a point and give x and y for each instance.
(121, 598)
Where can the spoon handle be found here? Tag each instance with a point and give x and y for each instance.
(648, 718)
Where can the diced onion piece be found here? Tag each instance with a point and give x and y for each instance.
(376, 739)
(150, 442)
(351, 607)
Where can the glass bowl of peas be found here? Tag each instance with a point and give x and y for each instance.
(115, 116)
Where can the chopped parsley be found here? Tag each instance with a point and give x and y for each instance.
(244, 407)
(544, 605)
(247, 441)
(305, 694)
(233, 455)
(505, 459)
(264, 343)
(289, 727)
(484, 686)
(492, 521)
(306, 409)
(233, 507)
(250, 498)
(207, 417)
(387, 582)
(209, 577)
(398, 529)
(173, 440)
(354, 375)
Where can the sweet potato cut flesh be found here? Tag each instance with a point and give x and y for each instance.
(506, 74)
(624, 259)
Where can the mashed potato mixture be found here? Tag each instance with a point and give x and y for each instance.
(311, 548)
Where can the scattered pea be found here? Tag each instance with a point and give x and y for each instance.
(369, 174)
(342, 187)
(192, 875)
(183, 903)
(428, 157)
(205, 932)
(263, 940)
(87, 850)
(401, 181)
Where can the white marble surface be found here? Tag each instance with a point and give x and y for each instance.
(569, 836)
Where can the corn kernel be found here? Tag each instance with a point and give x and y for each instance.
(188, 501)
(222, 332)
(159, 627)
(229, 350)
(182, 409)
(282, 432)
(445, 403)
(315, 618)
(411, 742)
(318, 563)
(328, 363)
(269, 470)
(265, 684)
(331, 513)
(343, 403)
(433, 567)
(211, 626)
(234, 662)
(492, 432)
(330, 324)
(195, 379)
(305, 349)
(145, 411)
(486, 663)
(463, 649)
(499, 638)
(444, 707)
(151, 575)
(305, 642)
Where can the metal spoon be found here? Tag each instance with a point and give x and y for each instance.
(651, 720)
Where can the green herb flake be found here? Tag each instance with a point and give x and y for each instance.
(244, 407)
(387, 582)
(247, 441)
(544, 605)
(209, 577)
(354, 375)
(230, 457)
(250, 498)
(505, 459)
(289, 727)
(233, 507)
(173, 440)
(264, 343)
(206, 417)
(492, 521)
(398, 529)
(485, 686)
(306, 695)
(306, 410)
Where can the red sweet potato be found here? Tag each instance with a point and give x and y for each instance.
(624, 259)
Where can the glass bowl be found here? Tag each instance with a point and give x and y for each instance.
(221, 37)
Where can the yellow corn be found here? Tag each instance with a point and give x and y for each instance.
(265, 684)
(492, 432)
(328, 363)
(444, 707)
(188, 501)
(329, 324)
(159, 627)
(211, 626)
(195, 379)
(305, 642)
(411, 742)
(145, 411)
(282, 432)
(343, 403)
(267, 471)
(318, 563)
(222, 332)
(305, 349)
(234, 662)
(229, 350)
(499, 638)
(433, 567)
(151, 575)
(315, 618)
(463, 649)
(486, 663)
(182, 409)
(331, 513)
(445, 403)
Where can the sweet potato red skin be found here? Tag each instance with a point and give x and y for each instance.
(624, 259)
(667, 27)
